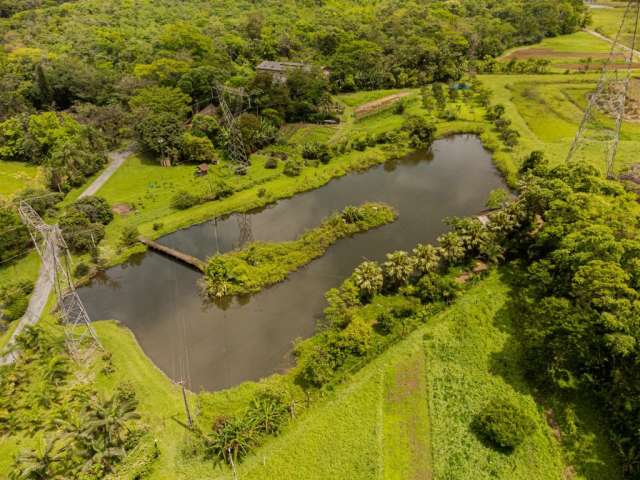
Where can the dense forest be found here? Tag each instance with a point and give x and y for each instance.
(107, 65)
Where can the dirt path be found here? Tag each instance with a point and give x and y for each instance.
(636, 53)
(377, 104)
(44, 284)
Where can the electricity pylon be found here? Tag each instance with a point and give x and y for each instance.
(237, 149)
(50, 244)
(610, 95)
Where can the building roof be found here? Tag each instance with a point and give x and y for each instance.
(281, 66)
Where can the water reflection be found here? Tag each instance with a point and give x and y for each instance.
(251, 337)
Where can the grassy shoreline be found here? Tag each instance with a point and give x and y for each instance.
(262, 264)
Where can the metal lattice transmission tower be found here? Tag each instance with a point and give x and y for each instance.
(610, 96)
(80, 336)
(245, 229)
(237, 149)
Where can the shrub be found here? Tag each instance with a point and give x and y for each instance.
(352, 214)
(436, 288)
(206, 126)
(421, 132)
(292, 168)
(504, 424)
(79, 232)
(399, 107)
(129, 235)
(14, 236)
(96, 209)
(81, 269)
(317, 368)
(41, 200)
(359, 144)
(183, 200)
(271, 163)
(497, 198)
(197, 149)
(385, 323)
(14, 299)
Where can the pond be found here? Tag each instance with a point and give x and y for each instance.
(214, 347)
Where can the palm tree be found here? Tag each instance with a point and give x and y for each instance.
(110, 418)
(103, 455)
(427, 258)
(368, 279)
(398, 269)
(452, 248)
(42, 463)
(57, 369)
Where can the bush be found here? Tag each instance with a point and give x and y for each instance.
(14, 299)
(352, 214)
(399, 108)
(386, 323)
(14, 236)
(129, 235)
(81, 270)
(504, 424)
(197, 149)
(436, 288)
(41, 200)
(498, 198)
(96, 209)
(79, 232)
(183, 200)
(271, 163)
(421, 132)
(292, 168)
(206, 126)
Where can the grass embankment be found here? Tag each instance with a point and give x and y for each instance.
(261, 264)
(377, 424)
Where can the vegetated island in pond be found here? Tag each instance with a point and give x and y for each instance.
(261, 264)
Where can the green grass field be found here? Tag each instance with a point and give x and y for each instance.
(16, 176)
(606, 21)
(568, 52)
(547, 109)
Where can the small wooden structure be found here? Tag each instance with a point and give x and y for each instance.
(171, 252)
(202, 169)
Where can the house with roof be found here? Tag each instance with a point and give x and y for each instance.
(279, 71)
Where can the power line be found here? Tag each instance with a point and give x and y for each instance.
(611, 92)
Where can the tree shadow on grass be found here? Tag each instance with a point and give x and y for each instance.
(574, 418)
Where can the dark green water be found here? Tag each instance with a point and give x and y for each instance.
(216, 348)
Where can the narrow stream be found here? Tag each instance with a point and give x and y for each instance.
(250, 338)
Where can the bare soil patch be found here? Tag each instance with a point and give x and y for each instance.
(632, 104)
(121, 209)
(542, 52)
(379, 104)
